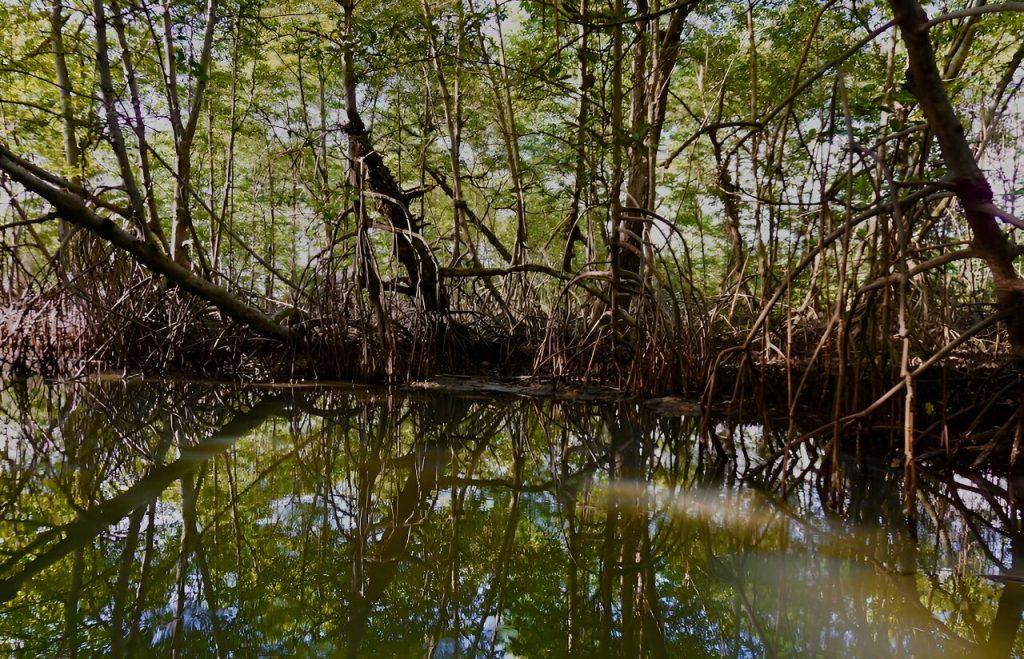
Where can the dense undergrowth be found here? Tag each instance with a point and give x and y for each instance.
(114, 316)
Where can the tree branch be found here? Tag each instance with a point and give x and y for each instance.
(73, 209)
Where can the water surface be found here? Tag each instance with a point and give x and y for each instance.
(190, 519)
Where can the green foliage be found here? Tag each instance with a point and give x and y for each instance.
(766, 131)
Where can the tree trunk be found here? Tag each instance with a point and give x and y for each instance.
(969, 183)
(71, 153)
(654, 59)
(573, 234)
(367, 169)
(181, 227)
(451, 100)
(117, 21)
(510, 134)
(138, 214)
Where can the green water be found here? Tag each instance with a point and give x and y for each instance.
(188, 519)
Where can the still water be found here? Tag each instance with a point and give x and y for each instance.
(190, 519)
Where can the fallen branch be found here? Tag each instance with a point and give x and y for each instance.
(73, 209)
(501, 272)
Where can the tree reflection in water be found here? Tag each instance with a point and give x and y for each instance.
(191, 520)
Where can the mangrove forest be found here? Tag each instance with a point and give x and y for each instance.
(811, 202)
(511, 327)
